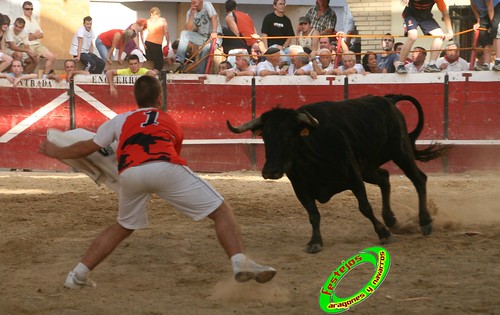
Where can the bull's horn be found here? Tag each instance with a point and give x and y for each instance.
(251, 125)
(308, 119)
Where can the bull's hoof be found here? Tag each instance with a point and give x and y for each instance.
(426, 229)
(313, 248)
(387, 240)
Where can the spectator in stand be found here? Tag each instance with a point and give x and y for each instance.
(302, 64)
(70, 72)
(18, 46)
(397, 48)
(417, 13)
(370, 63)
(133, 47)
(107, 42)
(322, 63)
(134, 68)
(349, 65)
(242, 67)
(169, 55)
(270, 66)
(452, 61)
(277, 24)
(487, 13)
(255, 54)
(389, 57)
(307, 36)
(82, 48)
(225, 65)
(323, 18)
(5, 60)
(241, 24)
(157, 30)
(202, 24)
(354, 43)
(17, 74)
(293, 52)
(418, 64)
(35, 33)
(325, 42)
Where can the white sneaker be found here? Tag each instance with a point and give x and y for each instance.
(247, 270)
(73, 283)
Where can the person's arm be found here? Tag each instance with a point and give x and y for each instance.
(77, 150)
(476, 14)
(117, 37)
(24, 77)
(55, 77)
(36, 35)
(189, 26)
(231, 23)
(491, 9)
(165, 31)
(446, 18)
(315, 40)
(110, 74)
(70, 75)
(215, 25)
(79, 48)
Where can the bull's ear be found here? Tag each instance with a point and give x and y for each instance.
(258, 132)
(305, 132)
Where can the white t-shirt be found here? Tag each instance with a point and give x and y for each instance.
(359, 68)
(31, 27)
(266, 65)
(88, 37)
(19, 39)
(459, 65)
(412, 69)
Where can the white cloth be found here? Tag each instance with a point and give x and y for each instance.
(31, 27)
(87, 39)
(412, 69)
(266, 65)
(459, 65)
(359, 68)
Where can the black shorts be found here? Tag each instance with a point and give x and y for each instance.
(427, 25)
(485, 37)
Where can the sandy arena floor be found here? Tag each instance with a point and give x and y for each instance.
(177, 267)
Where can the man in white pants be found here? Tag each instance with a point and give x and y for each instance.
(149, 143)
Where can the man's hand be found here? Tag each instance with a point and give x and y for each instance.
(113, 91)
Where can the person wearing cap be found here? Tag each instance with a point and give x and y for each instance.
(307, 35)
(452, 61)
(270, 66)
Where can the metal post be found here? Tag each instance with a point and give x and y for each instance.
(71, 94)
(163, 76)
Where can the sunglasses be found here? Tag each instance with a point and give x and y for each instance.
(28, 9)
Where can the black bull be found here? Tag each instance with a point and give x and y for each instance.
(328, 147)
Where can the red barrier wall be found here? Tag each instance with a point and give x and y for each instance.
(465, 108)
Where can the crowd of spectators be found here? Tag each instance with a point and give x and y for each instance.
(312, 45)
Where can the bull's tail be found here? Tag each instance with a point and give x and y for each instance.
(434, 150)
(420, 124)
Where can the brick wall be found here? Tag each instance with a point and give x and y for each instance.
(371, 18)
